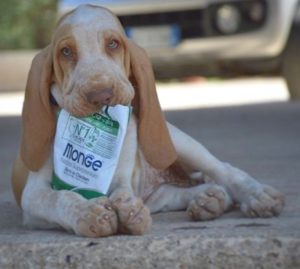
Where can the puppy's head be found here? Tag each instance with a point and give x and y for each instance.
(90, 63)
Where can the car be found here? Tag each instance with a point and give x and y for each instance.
(213, 37)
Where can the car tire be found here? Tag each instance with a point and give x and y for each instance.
(291, 63)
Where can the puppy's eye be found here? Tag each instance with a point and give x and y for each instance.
(113, 44)
(67, 52)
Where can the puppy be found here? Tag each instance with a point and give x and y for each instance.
(90, 63)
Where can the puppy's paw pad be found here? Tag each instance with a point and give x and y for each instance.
(97, 219)
(134, 216)
(209, 204)
(265, 202)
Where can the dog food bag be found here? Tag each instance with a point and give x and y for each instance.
(87, 150)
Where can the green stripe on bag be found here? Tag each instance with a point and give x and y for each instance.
(58, 184)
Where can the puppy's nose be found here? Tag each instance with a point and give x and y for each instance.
(100, 97)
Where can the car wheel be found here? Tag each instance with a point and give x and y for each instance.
(291, 63)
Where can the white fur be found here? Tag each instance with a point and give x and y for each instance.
(84, 15)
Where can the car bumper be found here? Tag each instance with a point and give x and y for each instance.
(267, 42)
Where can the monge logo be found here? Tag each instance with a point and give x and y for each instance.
(79, 157)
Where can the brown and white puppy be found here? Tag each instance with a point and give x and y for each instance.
(91, 63)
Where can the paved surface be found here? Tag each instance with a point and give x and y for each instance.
(262, 139)
(14, 67)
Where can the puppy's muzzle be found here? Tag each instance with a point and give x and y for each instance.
(100, 97)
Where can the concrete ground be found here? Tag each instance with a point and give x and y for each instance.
(263, 139)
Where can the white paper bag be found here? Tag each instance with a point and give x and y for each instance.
(87, 150)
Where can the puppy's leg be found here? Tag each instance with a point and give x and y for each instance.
(133, 216)
(93, 218)
(203, 202)
(255, 199)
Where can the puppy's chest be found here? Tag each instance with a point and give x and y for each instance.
(150, 179)
(134, 168)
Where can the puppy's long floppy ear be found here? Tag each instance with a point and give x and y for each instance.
(153, 134)
(38, 118)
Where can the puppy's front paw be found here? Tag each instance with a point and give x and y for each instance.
(134, 216)
(96, 218)
(209, 204)
(264, 202)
